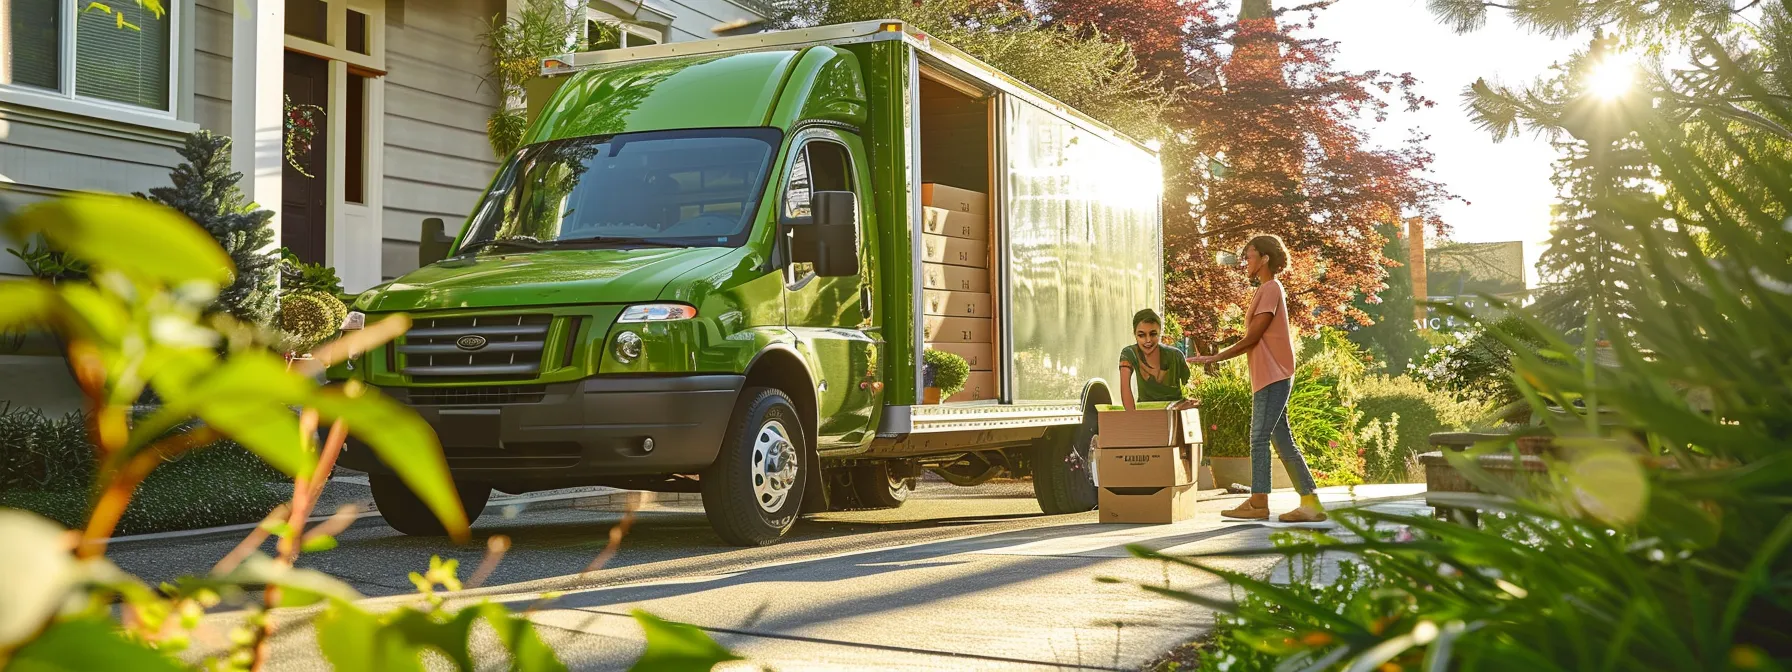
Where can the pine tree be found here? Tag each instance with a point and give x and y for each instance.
(1603, 173)
(1585, 268)
(205, 190)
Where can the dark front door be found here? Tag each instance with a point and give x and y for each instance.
(303, 179)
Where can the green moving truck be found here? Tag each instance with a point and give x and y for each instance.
(715, 267)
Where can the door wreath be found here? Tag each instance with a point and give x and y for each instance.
(301, 130)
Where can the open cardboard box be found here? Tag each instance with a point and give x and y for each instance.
(1148, 427)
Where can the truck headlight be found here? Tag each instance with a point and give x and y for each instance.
(656, 312)
(628, 347)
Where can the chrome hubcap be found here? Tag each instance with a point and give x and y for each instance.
(774, 470)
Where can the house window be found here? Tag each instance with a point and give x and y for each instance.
(117, 52)
(606, 31)
(309, 19)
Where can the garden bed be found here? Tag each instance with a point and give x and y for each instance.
(46, 466)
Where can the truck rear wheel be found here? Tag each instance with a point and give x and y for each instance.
(405, 512)
(878, 486)
(755, 488)
(1061, 478)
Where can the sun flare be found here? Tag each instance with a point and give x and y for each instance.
(1612, 77)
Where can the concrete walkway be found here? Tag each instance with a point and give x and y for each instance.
(1025, 599)
(986, 584)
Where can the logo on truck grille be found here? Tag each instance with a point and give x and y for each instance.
(470, 342)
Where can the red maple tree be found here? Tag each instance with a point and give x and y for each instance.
(1268, 138)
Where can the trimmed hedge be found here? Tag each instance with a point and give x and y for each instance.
(46, 466)
(1421, 410)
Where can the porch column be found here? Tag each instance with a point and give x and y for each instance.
(257, 110)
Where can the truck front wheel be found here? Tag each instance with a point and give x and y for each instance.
(406, 513)
(1061, 478)
(755, 488)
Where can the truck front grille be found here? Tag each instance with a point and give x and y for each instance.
(490, 347)
(483, 395)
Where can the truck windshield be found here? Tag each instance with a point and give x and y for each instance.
(658, 189)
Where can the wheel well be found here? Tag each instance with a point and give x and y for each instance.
(1095, 393)
(782, 370)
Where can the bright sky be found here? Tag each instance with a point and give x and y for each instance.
(1507, 183)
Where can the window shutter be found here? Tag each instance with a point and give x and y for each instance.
(120, 64)
(32, 43)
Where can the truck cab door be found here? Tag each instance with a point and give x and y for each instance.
(834, 319)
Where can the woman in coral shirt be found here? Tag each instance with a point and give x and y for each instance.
(1270, 345)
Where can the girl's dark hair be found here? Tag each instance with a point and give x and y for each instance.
(1146, 315)
(1271, 246)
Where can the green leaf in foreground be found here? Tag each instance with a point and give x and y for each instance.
(87, 644)
(127, 234)
(404, 442)
(676, 647)
(247, 399)
(353, 641)
(24, 302)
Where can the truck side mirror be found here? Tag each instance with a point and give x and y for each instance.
(435, 242)
(831, 238)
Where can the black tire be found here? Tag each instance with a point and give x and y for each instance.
(754, 491)
(1061, 479)
(406, 513)
(877, 488)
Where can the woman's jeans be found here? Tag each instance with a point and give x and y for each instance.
(1269, 422)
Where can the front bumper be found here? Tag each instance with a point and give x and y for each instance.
(592, 428)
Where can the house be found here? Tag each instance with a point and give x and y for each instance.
(393, 88)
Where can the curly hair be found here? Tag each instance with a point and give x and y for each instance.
(1271, 246)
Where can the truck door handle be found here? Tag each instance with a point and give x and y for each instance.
(865, 301)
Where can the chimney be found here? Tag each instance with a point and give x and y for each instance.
(1415, 253)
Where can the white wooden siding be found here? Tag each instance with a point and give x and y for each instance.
(437, 157)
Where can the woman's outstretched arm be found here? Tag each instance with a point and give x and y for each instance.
(1253, 334)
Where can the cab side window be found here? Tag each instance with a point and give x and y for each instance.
(822, 166)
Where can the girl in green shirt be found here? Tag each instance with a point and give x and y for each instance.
(1162, 370)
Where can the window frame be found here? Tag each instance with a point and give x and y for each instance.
(626, 28)
(335, 47)
(801, 141)
(65, 99)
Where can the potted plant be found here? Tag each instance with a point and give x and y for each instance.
(943, 374)
(309, 311)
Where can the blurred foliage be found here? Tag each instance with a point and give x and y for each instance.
(1088, 72)
(1659, 538)
(141, 324)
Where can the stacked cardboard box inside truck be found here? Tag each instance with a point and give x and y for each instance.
(956, 274)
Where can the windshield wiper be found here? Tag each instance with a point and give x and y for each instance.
(524, 242)
(605, 241)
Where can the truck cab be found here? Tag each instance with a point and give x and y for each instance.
(699, 272)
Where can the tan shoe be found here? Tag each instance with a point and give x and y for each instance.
(1247, 512)
(1302, 515)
